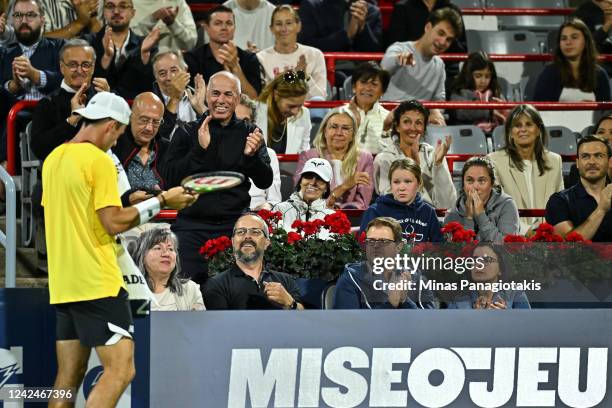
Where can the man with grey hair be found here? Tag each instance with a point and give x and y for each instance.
(183, 104)
(54, 120)
(248, 284)
(216, 142)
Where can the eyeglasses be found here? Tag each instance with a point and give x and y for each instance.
(29, 16)
(343, 129)
(142, 121)
(120, 7)
(294, 76)
(487, 260)
(74, 66)
(375, 243)
(255, 232)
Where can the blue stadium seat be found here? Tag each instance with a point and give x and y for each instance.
(467, 139)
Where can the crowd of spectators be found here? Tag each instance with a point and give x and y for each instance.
(237, 101)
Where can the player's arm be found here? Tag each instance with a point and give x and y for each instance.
(116, 220)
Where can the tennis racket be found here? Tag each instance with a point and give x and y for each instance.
(212, 181)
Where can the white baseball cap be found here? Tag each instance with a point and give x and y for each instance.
(106, 105)
(320, 167)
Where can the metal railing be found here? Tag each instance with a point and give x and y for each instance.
(9, 239)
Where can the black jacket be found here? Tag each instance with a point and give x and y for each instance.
(186, 157)
(49, 126)
(132, 77)
(323, 27)
(202, 61)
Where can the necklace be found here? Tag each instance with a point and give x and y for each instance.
(282, 134)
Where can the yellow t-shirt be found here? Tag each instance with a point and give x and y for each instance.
(78, 180)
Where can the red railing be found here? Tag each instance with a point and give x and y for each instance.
(11, 131)
(388, 9)
(332, 57)
(170, 215)
(543, 106)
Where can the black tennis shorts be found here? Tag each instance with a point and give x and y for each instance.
(97, 322)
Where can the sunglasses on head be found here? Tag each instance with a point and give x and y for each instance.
(294, 76)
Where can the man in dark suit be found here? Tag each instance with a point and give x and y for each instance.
(29, 68)
(123, 57)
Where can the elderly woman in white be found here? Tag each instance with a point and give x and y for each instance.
(156, 256)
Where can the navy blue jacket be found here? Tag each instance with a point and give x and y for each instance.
(356, 289)
(45, 58)
(132, 77)
(418, 217)
(323, 27)
(549, 86)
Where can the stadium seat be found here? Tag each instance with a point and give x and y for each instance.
(589, 130)
(469, 3)
(327, 296)
(30, 166)
(499, 137)
(531, 23)
(286, 185)
(467, 139)
(562, 140)
(508, 42)
(527, 3)
(347, 89)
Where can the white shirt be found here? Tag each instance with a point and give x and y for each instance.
(252, 25)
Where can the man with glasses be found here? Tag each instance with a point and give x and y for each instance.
(373, 285)
(29, 68)
(248, 284)
(123, 57)
(183, 103)
(142, 147)
(54, 120)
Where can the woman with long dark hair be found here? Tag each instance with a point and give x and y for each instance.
(525, 169)
(574, 74)
(482, 206)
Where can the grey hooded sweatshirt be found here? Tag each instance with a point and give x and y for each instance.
(499, 219)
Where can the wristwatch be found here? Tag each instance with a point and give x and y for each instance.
(293, 305)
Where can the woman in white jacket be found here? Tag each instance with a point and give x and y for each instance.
(308, 202)
(281, 115)
(409, 125)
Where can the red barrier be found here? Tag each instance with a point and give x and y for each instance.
(388, 9)
(170, 215)
(332, 57)
(543, 106)
(11, 136)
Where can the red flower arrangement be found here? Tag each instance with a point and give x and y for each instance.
(316, 249)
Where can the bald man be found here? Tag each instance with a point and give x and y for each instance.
(217, 141)
(142, 147)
